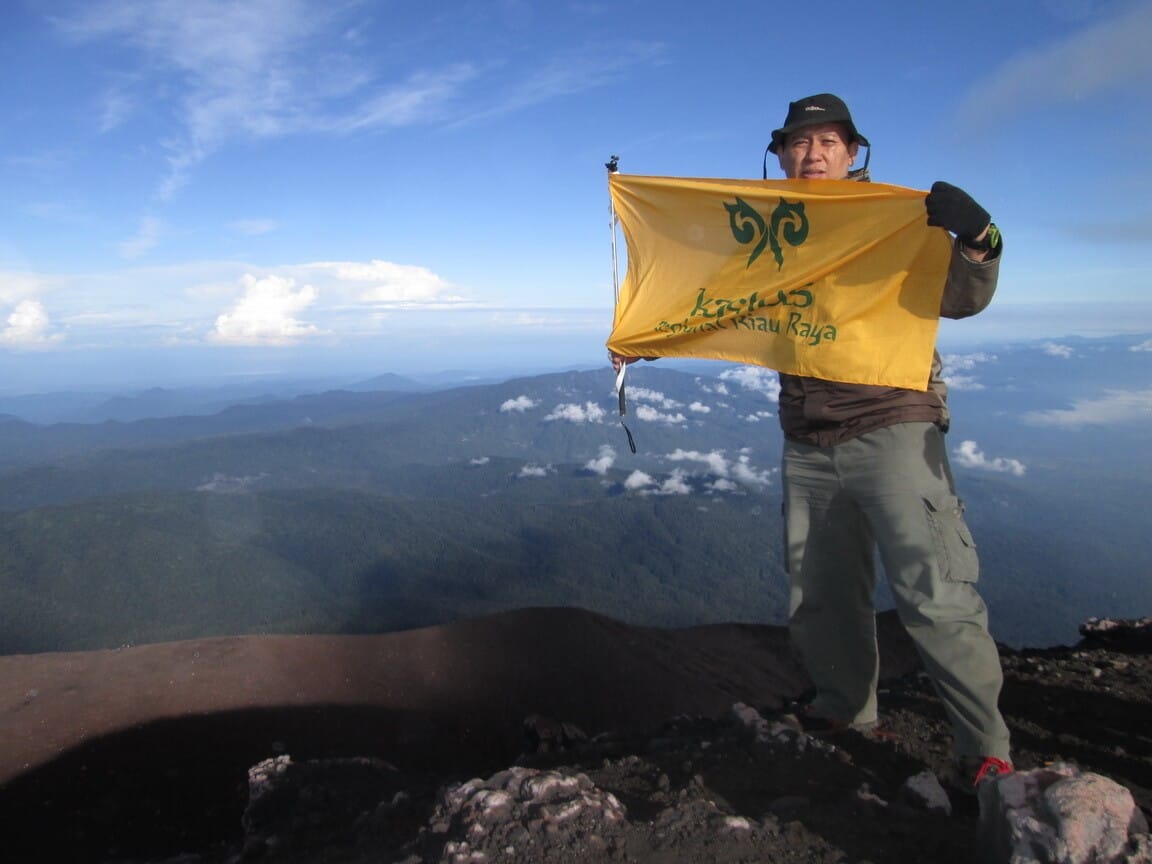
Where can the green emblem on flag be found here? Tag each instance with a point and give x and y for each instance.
(748, 226)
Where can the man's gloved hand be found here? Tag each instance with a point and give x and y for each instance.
(953, 209)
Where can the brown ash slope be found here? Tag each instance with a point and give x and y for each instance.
(144, 754)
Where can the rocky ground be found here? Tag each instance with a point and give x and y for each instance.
(734, 787)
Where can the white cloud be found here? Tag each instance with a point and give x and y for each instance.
(638, 480)
(535, 471)
(603, 462)
(744, 472)
(479, 460)
(375, 285)
(755, 378)
(262, 69)
(540, 321)
(954, 363)
(652, 415)
(389, 283)
(28, 326)
(224, 483)
(144, 240)
(716, 461)
(16, 286)
(527, 319)
(675, 484)
(252, 70)
(1146, 345)
(966, 361)
(719, 389)
(178, 303)
(520, 404)
(1067, 71)
(963, 382)
(265, 314)
(589, 412)
(969, 455)
(117, 106)
(1116, 406)
(1053, 349)
(758, 416)
(720, 466)
(418, 99)
(643, 394)
(699, 408)
(567, 74)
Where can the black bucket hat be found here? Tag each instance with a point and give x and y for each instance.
(815, 111)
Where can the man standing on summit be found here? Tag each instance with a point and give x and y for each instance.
(865, 467)
(866, 470)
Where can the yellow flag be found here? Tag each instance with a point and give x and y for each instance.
(832, 279)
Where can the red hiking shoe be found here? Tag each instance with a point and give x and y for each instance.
(990, 768)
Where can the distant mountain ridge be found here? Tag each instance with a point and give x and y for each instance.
(345, 511)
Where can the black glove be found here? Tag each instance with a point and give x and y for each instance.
(953, 209)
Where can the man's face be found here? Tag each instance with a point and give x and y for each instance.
(818, 153)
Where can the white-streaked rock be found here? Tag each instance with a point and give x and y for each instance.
(1060, 815)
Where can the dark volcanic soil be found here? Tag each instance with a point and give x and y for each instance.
(693, 789)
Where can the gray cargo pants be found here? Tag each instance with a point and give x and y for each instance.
(890, 489)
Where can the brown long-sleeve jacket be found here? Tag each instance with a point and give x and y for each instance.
(824, 413)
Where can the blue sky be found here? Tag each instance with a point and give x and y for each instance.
(206, 187)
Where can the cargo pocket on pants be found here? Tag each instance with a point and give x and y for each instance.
(955, 548)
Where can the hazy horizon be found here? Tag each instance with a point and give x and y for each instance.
(475, 353)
